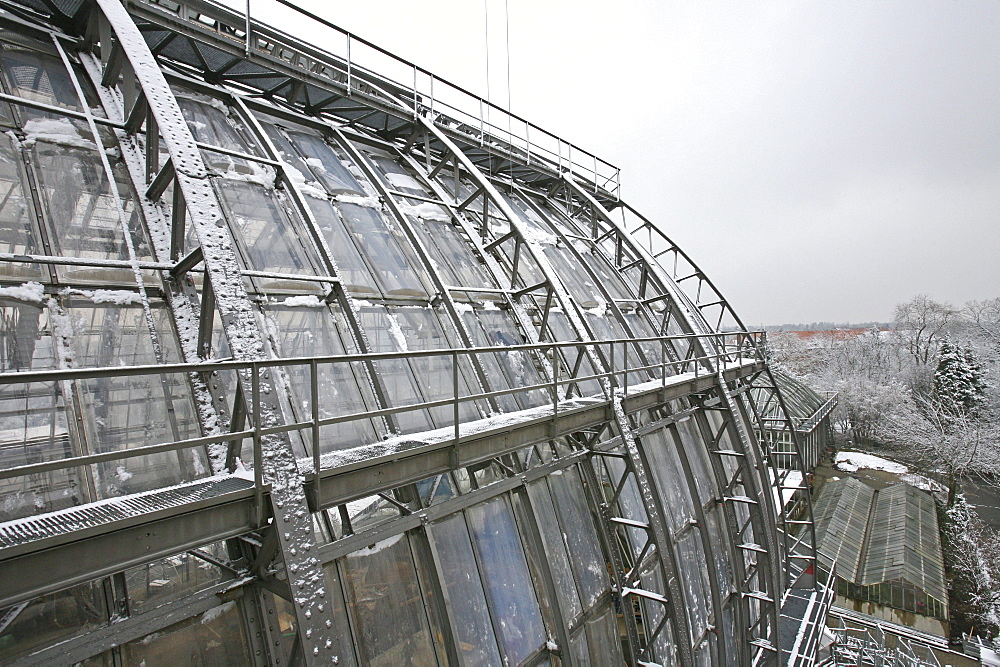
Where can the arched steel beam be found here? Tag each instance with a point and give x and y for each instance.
(148, 96)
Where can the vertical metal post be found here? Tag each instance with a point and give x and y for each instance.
(258, 469)
(527, 140)
(455, 411)
(247, 49)
(349, 83)
(555, 382)
(314, 398)
(625, 366)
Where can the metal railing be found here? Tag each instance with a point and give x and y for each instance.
(360, 65)
(565, 373)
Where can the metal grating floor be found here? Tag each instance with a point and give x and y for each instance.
(43, 526)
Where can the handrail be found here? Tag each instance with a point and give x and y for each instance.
(472, 114)
(733, 348)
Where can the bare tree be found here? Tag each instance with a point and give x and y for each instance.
(984, 319)
(921, 324)
(941, 440)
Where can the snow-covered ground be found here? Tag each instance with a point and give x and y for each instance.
(854, 461)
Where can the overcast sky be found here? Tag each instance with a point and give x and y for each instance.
(820, 161)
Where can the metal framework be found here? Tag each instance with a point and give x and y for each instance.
(336, 369)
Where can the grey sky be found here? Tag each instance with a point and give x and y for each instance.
(820, 161)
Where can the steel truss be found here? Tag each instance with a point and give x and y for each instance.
(473, 176)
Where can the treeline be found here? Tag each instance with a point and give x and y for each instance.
(825, 326)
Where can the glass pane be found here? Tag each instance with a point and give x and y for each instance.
(81, 211)
(17, 231)
(47, 619)
(325, 164)
(210, 123)
(506, 578)
(33, 423)
(602, 636)
(172, 577)
(388, 610)
(697, 455)
(343, 387)
(121, 412)
(423, 330)
(580, 534)
(271, 238)
(694, 578)
(396, 376)
(385, 249)
(670, 479)
(38, 77)
(212, 639)
(556, 550)
(355, 273)
(493, 327)
(476, 643)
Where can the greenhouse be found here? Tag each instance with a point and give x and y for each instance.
(810, 412)
(305, 361)
(886, 544)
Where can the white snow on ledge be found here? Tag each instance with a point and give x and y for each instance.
(854, 461)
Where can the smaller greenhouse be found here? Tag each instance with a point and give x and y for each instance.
(886, 545)
(808, 410)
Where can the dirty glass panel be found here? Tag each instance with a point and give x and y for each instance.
(697, 454)
(579, 649)
(694, 579)
(506, 578)
(17, 231)
(629, 502)
(271, 239)
(122, 412)
(169, 578)
(561, 330)
(730, 632)
(574, 277)
(602, 638)
(580, 534)
(80, 210)
(325, 164)
(720, 541)
(476, 643)
(211, 124)
(495, 328)
(317, 331)
(386, 250)
(388, 610)
(33, 424)
(669, 476)
(654, 351)
(556, 550)
(355, 274)
(605, 326)
(444, 241)
(39, 77)
(422, 330)
(50, 618)
(212, 639)
(653, 613)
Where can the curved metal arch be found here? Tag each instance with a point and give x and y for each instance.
(793, 548)
(149, 100)
(654, 510)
